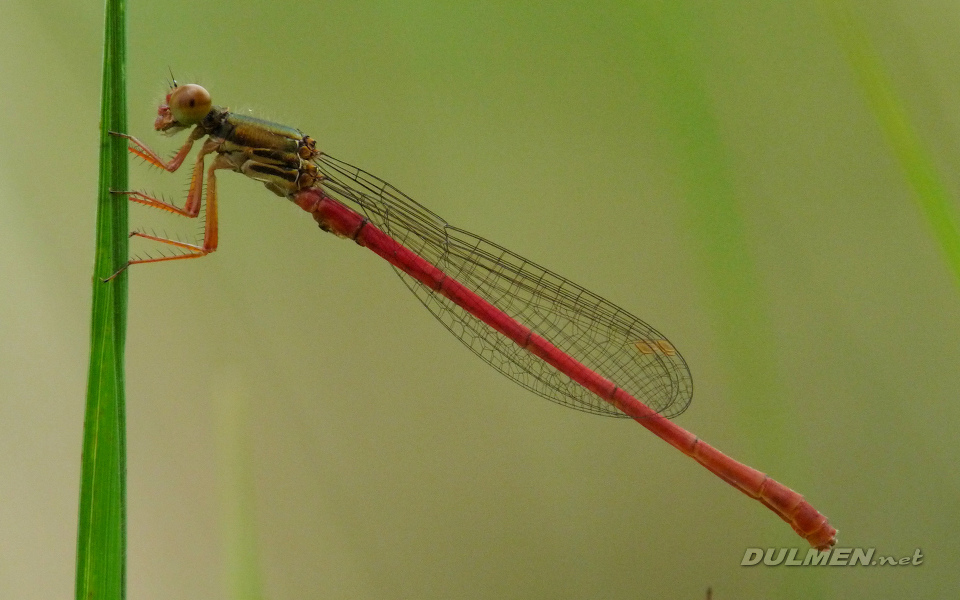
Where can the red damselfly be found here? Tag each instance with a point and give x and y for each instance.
(545, 332)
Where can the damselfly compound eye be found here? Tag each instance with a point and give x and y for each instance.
(189, 103)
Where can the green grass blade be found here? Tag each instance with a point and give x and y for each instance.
(892, 117)
(237, 490)
(715, 218)
(101, 535)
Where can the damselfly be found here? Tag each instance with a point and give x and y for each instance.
(545, 332)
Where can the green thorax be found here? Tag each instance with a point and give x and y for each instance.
(252, 132)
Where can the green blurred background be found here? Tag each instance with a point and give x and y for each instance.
(736, 173)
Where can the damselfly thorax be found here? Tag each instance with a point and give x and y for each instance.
(275, 154)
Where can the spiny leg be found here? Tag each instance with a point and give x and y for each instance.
(210, 228)
(140, 149)
(192, 209)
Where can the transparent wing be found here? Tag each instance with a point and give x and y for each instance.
(597, 333)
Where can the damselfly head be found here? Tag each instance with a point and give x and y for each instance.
(184, 106)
